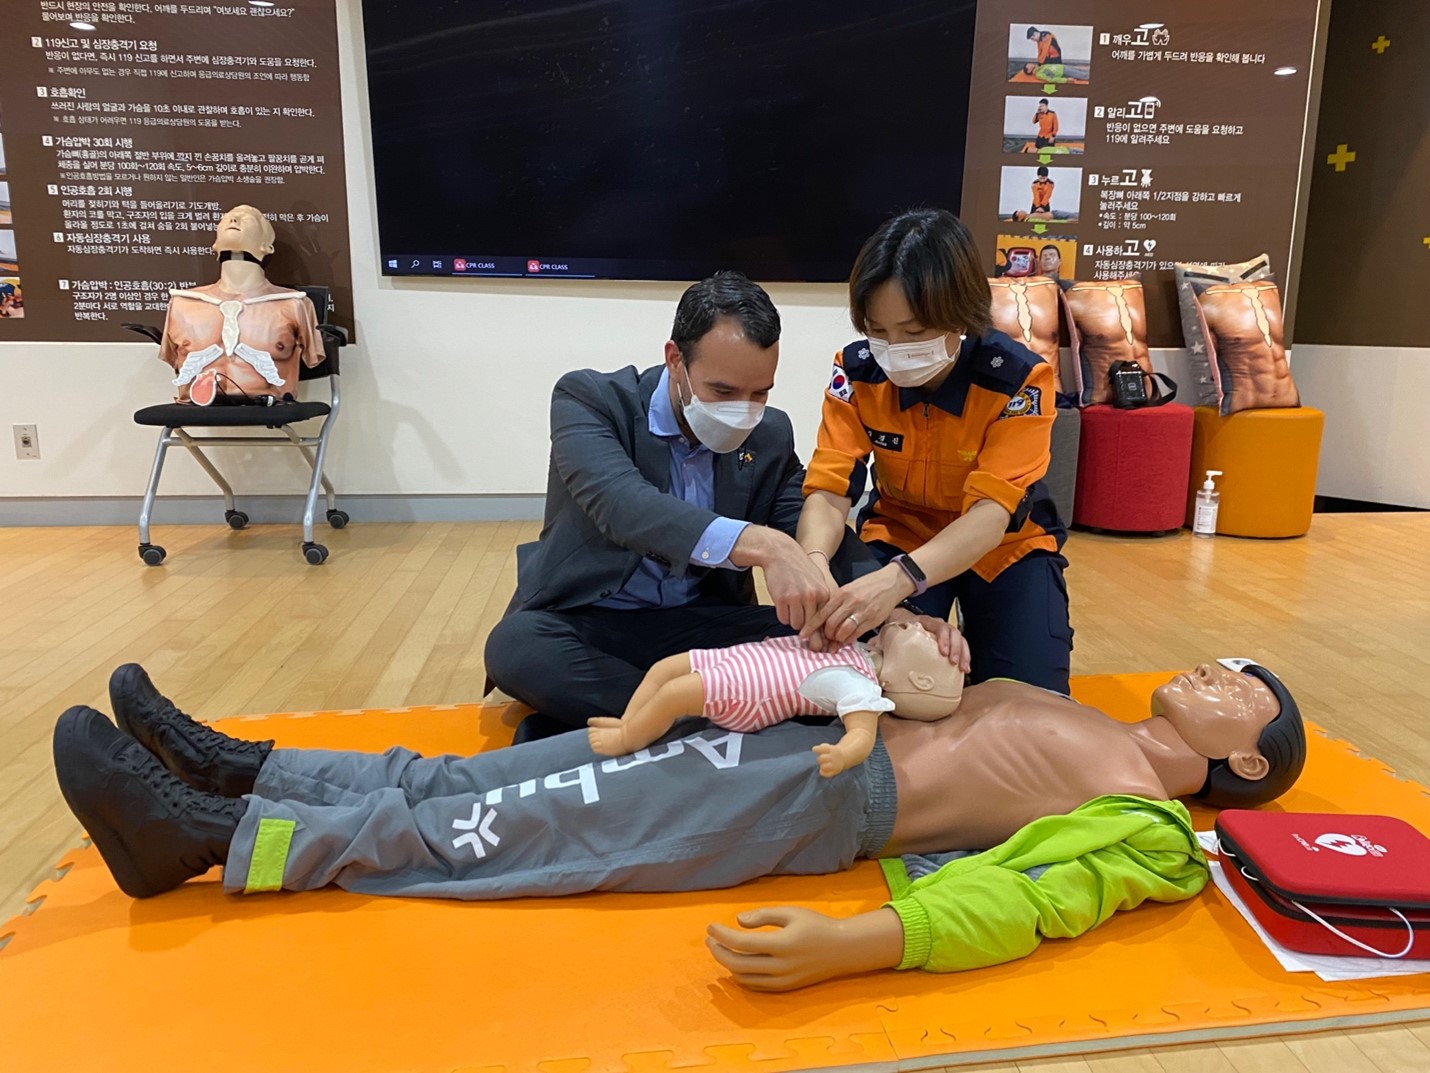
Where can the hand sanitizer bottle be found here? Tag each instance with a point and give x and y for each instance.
(1208, 500)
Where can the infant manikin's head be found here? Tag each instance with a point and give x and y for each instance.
(915, 675)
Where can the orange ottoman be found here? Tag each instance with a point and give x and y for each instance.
(1268, 460)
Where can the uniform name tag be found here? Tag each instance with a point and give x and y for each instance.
(885, 441)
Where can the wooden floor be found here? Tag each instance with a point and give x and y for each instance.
(237, 623)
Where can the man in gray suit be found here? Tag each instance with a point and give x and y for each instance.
(665, 488)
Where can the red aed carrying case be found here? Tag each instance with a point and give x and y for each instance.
(1331, 883)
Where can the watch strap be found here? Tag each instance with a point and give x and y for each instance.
(916, 575)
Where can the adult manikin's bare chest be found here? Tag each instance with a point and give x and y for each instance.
(1011, 754)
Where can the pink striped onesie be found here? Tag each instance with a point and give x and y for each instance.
(751, 686)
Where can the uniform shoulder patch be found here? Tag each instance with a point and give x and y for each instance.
(859, 364)
(1003, 364)
(839, 385)
(1027, 403)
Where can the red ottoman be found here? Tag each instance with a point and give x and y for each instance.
(1133, 467)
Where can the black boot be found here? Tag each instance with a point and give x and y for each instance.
(200, 755)
(152, 831)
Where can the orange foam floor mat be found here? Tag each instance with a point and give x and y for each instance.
(328, 981)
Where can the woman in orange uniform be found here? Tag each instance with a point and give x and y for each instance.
(957, 418)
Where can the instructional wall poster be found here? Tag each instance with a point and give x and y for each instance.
(127, 128)
(1110, 139)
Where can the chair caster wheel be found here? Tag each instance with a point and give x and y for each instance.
(152, 554)
(236, 519)
(338, 519)
(316, 554)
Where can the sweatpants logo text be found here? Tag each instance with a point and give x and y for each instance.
(722, 750)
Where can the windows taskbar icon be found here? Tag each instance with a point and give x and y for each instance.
(429, 264)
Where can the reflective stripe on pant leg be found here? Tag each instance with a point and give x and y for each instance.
(270, 856)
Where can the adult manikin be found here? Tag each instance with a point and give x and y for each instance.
(242, 335)
(703, 808)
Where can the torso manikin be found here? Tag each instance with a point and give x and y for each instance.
(1012, 753)
(254, 340)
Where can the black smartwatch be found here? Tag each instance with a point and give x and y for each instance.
(917, 576)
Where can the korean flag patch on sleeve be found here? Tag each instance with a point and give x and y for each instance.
(1027, 403)
(839, 385)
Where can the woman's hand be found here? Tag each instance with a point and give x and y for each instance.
(862, 605)
(950, 642)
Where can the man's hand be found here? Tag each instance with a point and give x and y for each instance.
(862, 605)
(805, 947)
(799, 584)
(950, 642)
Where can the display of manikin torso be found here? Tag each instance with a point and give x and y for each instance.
(1110, 320)
(243, 332)
(1246, 327)
(1027, 310)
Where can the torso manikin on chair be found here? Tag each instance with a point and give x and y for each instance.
(246, 329)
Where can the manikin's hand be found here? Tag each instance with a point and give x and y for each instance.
(832, 759)
(853, 748)
(805, 947)
(860, 606)
(950, 642)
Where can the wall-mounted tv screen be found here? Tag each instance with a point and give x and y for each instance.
(659, 139)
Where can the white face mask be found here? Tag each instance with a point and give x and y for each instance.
(912, 364)
(720, 426)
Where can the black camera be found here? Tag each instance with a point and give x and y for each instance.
(1129, 385)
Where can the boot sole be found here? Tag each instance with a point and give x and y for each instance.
(72, 752)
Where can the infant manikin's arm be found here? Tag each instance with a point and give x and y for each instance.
(854, 748)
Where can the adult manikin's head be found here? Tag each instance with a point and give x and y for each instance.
(915, 675)
(243, 229)
(1245, 722)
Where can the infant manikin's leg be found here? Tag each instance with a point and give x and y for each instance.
(669, 691)
(661, 672)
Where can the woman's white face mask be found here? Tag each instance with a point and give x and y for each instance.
(913, 364)
(720, 426)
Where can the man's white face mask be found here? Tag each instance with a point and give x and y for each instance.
(720, 426)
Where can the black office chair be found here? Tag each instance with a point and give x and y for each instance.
(174, 418)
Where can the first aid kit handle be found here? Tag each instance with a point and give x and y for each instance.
(1409, 943)
(1356, 942)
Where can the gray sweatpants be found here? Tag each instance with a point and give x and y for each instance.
(700, 809)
